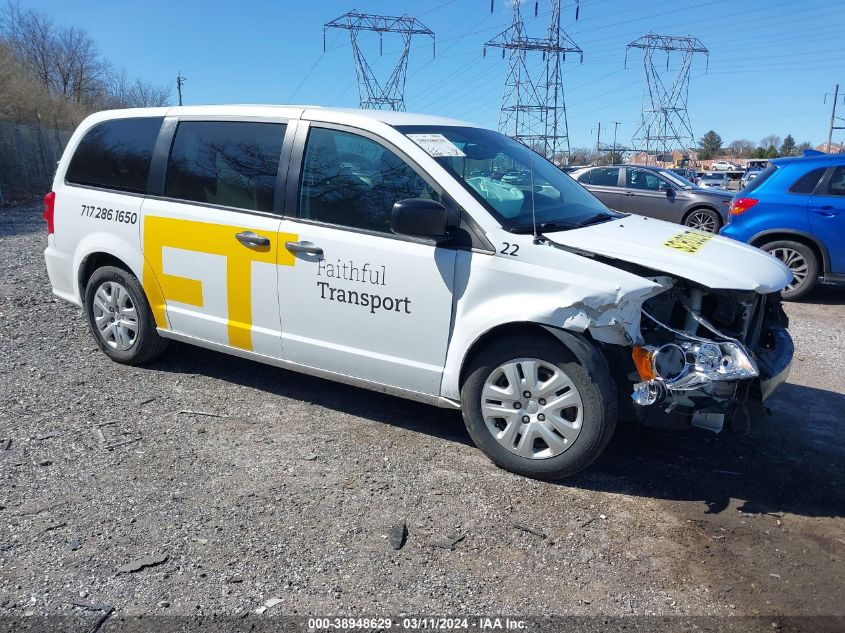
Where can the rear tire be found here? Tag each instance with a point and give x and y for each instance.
(803, 263)
(704, 220)
(120, 318)
(536, 408)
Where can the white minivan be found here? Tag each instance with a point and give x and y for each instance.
(388, 250)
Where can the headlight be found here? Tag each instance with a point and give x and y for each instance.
(691, 364)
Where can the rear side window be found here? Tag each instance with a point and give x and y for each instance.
(836, 184)
(807, 183)
(115, 155)
(227, 163)
(605, 176)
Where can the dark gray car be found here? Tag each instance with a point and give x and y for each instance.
(657, 193)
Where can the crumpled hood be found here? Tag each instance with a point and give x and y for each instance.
(710, 260)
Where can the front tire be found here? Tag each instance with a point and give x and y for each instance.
(120, 318)
(536, 408)
(802, 261)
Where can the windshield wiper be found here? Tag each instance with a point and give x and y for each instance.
(598, 217)
(545, 226)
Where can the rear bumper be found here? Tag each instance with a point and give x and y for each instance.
(60, 271)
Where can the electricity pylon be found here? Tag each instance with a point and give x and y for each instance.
(372, 94)
(533, 108)
(664, 123)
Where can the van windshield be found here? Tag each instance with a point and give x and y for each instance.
(515, 184)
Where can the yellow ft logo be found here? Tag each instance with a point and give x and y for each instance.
(165, 282)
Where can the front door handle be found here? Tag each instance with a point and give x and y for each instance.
(303, 247)
(248, 238)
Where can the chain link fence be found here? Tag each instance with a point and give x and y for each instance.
(28, 156)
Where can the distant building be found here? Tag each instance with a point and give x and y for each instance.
(833, 148)
(679, 158)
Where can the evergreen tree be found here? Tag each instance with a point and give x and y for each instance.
(709, 145)
(788, 147)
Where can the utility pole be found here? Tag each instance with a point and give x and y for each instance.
(533, 108)
(179, 81)
(372, 94)
(598, 140)
(664, 122)
(833, 118)
(613, 155)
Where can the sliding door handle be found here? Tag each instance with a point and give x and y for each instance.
(248, 238)
(303, 247)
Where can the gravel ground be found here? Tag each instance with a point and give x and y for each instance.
(290, 492)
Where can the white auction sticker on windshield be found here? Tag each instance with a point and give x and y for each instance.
(436, 145)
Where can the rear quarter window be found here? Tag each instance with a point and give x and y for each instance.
(115, 155)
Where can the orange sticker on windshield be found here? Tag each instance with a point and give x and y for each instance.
(688, 241)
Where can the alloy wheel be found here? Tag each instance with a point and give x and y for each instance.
(796, 263)
(115, 316)
(702, 221)
(532, 408)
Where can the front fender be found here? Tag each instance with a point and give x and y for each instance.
(606, 307)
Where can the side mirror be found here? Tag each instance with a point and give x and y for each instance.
(420, 217)
(665, 186)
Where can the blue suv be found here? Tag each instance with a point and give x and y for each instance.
(795, 210)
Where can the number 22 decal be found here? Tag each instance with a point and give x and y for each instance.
(509, 249)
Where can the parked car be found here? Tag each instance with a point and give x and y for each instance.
(356, 246)
(795, 210)
(723, 165)
(756, 163)
(714, 181)
(748, 176)
(689, 174)
(656, 192)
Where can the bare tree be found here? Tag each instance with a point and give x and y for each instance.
(59, 72)
(583, 156)
(79, 67)
(772, 140)
(31, 36)
(147, 95)
(740, 146)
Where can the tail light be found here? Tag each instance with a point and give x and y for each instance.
(49, 209)
(741, 205)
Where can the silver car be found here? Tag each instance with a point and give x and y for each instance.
(714, 181)
(748, 177)
(657, 193)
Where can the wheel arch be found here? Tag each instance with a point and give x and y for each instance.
(581, 345)
(103, 249)
(91, 262)
(807, 239)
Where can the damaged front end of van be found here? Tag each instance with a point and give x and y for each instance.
(707, 345)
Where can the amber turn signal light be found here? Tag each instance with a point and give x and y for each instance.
(643, 362)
